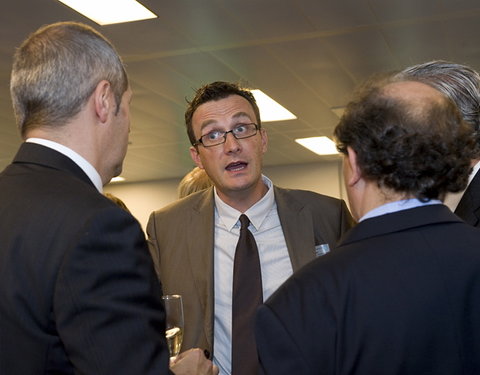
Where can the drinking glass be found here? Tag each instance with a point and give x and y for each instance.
(174, 323)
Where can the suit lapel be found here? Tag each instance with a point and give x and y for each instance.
(200, 251)
(468, 208)
(297, 226)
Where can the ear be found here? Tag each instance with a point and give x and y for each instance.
(263, 134)
(355, 172)
(103, 100)
(196, 157)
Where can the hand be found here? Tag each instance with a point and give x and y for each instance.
(193, 362)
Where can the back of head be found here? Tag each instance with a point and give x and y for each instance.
(458, 82)
(55, 71)
(195, 180)
(408, 137)
(216, 91)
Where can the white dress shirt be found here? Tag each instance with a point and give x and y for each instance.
(274, 260)
(89, 170)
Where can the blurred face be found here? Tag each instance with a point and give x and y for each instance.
(235, 166)
(120, 131)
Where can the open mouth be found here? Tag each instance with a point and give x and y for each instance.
(237, 166)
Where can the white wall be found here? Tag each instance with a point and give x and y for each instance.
(143, 198)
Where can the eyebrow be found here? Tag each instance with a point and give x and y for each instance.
(235, 116)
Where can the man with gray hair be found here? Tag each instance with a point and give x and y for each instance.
(462, 85)
(78, 290)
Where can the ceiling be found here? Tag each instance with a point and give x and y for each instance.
(306, 54)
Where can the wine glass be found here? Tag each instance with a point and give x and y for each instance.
(174, 323)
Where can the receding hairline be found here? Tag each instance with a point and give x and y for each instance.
(414, 94)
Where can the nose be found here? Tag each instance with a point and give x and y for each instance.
(231, 144)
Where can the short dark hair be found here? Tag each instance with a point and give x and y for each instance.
(420, 148)
(216, 91)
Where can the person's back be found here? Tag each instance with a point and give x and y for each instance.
(401, 294)
(50, 287)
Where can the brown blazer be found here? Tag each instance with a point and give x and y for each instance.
(181, 243)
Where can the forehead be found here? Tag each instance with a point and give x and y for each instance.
(224, 110)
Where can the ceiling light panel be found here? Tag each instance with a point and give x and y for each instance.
(318, 145)
(107, 12)
(270, 110)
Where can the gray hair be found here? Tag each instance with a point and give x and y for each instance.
(458, 82)
(55, 71)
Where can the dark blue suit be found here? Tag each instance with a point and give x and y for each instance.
(401, 295)
(78, 292)
(468, 208)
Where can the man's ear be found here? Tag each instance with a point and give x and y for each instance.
(196, 157)
(355, 172)
(263, 134)
(103, 100)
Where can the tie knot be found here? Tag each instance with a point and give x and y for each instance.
(244, 221)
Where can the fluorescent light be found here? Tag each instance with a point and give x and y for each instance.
(106, 12)
(118, 179)
(270, 110)
(319, 145)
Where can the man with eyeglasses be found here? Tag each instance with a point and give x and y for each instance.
(193, 241)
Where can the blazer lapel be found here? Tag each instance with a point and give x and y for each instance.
(200, 250)
(297, 226)
(468, 208)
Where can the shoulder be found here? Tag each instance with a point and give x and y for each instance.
(195, 201)
(307, 197)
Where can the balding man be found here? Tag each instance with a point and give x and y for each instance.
(401, 295)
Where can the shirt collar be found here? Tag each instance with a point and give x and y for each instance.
(400, 205)
(89, 170)
(257, 213)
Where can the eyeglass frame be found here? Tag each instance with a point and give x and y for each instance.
(200, 142)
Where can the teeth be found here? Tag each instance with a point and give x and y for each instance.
(236, 167)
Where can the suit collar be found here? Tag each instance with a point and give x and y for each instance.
(33, 153)
(399, 221)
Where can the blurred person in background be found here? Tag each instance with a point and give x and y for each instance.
(195, 180)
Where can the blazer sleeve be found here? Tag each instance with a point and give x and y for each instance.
(296, 329)
(107, 302)
(153, 245)
(278, 351)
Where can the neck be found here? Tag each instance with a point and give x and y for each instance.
(375, 196)
(242, 200)
(69, 135)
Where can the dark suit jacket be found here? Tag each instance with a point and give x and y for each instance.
(78, 291)
(181, 239)
(400, 295)
(468, 208)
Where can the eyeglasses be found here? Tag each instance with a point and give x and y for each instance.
(217, 137)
